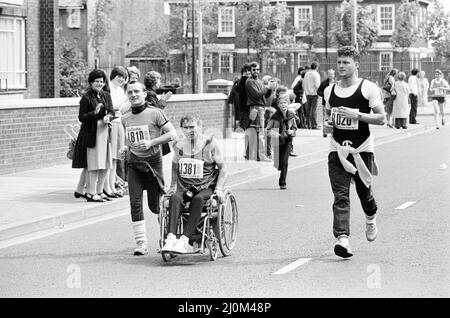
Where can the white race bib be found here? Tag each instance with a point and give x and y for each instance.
(342, 122)
(191, 168)
(138, 133)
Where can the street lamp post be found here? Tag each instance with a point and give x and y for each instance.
(193, 47)
(354, 24)
(200, 49)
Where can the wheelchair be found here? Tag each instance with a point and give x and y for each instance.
(216, 230)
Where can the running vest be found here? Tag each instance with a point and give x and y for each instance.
(193, 170)
(345, 129)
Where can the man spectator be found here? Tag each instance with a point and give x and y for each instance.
(257, 93)
(413, 84)
(331, 79)
(311, 84)
(243, 108)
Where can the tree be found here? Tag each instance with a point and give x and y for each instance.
(367, 27)
(73, 69)
(101, 23)
(406, 32)
(438, 29)
(263, 24)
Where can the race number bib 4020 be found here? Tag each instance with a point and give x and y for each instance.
(138, 133)
(342, 122)
(191, 168)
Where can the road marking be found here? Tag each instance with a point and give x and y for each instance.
(294, 265)
(405, 205)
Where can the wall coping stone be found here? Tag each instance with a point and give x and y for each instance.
(65, 102)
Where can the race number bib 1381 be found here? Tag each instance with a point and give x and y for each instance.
(191, 168)
(342, 122)
(138, 133)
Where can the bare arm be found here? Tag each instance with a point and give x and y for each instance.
(377, 117)
(223, 173)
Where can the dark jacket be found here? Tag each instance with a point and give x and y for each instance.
(257, 92)
(152, 99)
(320, 91)
(298, 91)
(233, 99)
(88, 130)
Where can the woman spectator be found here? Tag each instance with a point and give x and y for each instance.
(439, 87)
(424, 85)
(233, 100)
(388, 99)
(119, 100)
(152, 82)
(401, 108)
(133, 74)
(93, 147)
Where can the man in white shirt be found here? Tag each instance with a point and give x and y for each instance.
(311, 83)
(413, 83)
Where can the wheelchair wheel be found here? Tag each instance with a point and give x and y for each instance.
(227, 222)
(168, 256)
(211, 243)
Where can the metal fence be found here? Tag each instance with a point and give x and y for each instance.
(282, 68)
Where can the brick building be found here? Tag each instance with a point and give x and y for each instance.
(28, 56)
(227, 49)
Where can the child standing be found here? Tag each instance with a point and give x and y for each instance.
(283, 128)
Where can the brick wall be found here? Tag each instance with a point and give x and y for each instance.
(32, 136)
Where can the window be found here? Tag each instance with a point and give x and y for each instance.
(303, 59)
(226, 63)
(386, 19)
(12, 53)
(226, 21)
(74, 18)
(207, 63)
(302, 19)
(385, 61)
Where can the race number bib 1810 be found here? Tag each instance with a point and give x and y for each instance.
(342, 122)
(191, 168)
(138, 133)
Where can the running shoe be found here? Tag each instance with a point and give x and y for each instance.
(182, 246)
(342, 247)
(371, 228)
(171, 241)
(141, 248)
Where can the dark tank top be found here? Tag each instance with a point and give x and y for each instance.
(345, 129)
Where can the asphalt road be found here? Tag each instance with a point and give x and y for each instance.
(285, 242)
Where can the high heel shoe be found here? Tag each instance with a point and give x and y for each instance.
(110, 195)
(104, 197)
(94, 198)
(78, 195)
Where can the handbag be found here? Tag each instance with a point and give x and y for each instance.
(387, 86)
(393, 94)
(71, 150)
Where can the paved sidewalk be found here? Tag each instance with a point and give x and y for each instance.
(44, 198)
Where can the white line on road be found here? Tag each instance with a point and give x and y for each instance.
(294, 265)
(405, 205)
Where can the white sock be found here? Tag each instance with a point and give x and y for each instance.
(139, 231)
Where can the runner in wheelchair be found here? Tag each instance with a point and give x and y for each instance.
(198, 172)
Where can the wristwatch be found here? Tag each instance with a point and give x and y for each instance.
(359, 116)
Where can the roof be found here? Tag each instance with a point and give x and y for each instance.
(148, 51)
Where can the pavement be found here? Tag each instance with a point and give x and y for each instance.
(43, 199)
